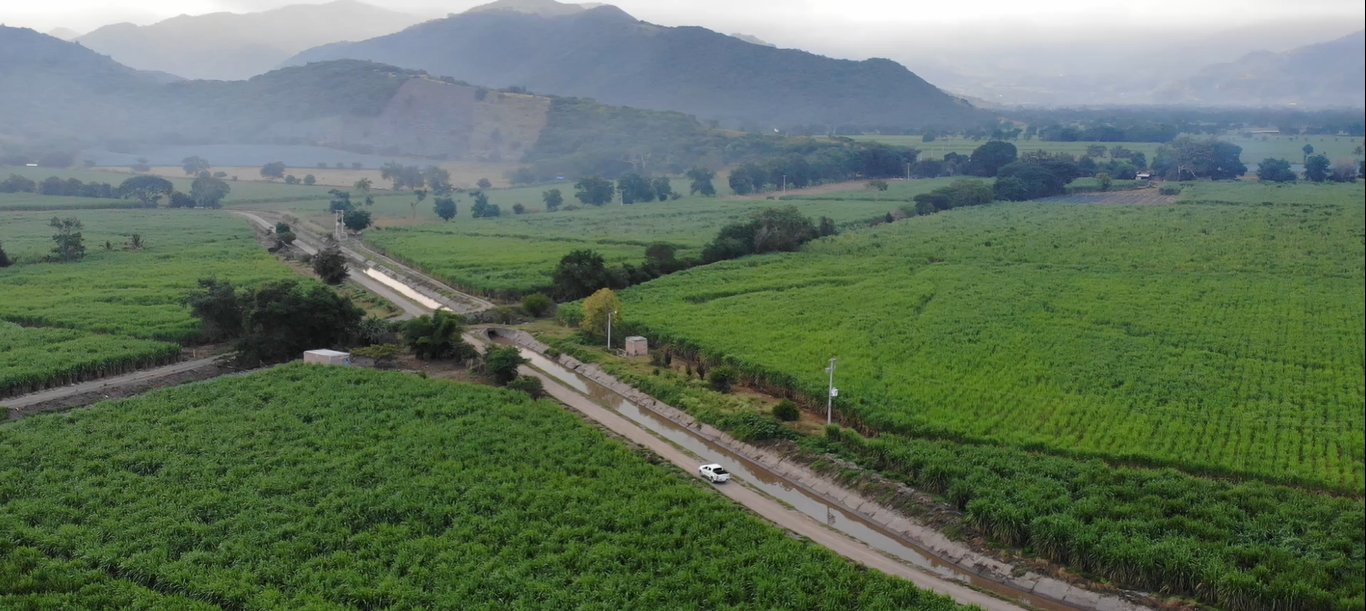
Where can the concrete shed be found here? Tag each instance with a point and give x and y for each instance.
(328, 357)
(637, 346)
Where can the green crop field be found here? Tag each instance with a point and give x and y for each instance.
(517, 254)
(1213, 337)
(308, 487)
(32, 201)
(116, 308)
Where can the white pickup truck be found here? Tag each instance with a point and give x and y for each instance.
(714, 473)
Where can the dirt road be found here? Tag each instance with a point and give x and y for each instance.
(114, 387)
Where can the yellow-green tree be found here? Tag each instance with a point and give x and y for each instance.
(595, 310)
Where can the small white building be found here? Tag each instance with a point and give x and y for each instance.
(637, 346)
(328, 357)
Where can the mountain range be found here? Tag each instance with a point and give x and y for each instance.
(1326, 74)
(606, 54)
(231, 46)
(61, 96)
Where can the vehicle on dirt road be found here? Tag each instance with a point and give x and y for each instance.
(714, 473)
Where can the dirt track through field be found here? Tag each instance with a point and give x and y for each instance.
(114, 387)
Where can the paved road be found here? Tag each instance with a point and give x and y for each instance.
(765, 506)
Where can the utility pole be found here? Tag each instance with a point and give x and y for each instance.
(832, 392)
(908, 170)
(784, 183)
(609, 329)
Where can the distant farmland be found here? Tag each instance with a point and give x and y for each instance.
(1255, 148)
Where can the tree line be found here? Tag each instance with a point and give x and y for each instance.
(206, 191)
(583, 272)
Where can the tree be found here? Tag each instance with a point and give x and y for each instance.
(663, 188)
(660, 254)
(273, 170)
(483, 183)
(553, 199)
(701, 182)
(194, 164)
(419, 194)
(340, 202)
(579, 273)
(518, 209)
(4, 258)
(445, 208)
(595, 310)
(635, 188)
(1308, 150)
(218, 309)
(781, 229)
(1035, 180)
(310, 179)
(437, 336)
(1105, 180)
(501, 363)
(208, 191)
(877, 185)
(1344, 170)
(180, 200)
(70, 246)
(438, 180)
(1316, 168)
(330, 263)
(989, 158)
(482, 208)
(1275, 170)
(282, 319)
(291, 179)
(594, 190)
(146, 189)
(1187, 158)
(356, 220)
(364, 187)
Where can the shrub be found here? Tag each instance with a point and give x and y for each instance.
(382, 354)
(1169, 190)
(786, 411)
(529, 385)
(537, 305)
(721, 378)
(501, 363)
(437, 337)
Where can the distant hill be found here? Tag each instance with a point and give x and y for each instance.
(605, 54)
(1330, 74)
(57, 95)
(64, 33)
(229, 46)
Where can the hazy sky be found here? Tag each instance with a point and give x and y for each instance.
(842, 28)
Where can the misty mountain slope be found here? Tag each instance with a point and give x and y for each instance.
(605, 54)
(60, 94)
(47, 85)
(231, 46)
(1330, 74)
